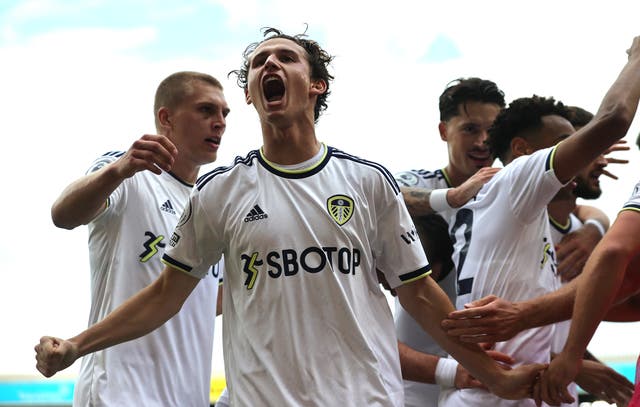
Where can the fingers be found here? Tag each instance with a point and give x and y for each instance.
(46, 356)
(612, 160)
(501, 357)
(155, 150)
(610, 175)
(620, 145)
(552, 390)
(487, 345)
(571, 266)
(482, 301)
(151, 152)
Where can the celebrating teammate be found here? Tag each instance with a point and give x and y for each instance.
(501, 238)
(131, 202)
(468, 107)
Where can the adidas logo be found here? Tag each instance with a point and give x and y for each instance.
(255, 214)
(167, 207)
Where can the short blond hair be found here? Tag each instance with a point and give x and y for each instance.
(175, 88)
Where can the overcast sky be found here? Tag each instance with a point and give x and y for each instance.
(77, 79)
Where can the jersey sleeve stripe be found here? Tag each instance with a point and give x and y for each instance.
(113, 154)
(631, 207)
(415, 275)
(168, 260)
(387, 175)
(205, 178)
(549, 163)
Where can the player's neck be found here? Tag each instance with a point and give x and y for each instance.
(560, 210)
(454, 177)
(289, 145)
(185, 172)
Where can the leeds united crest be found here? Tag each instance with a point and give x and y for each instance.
(340, 208)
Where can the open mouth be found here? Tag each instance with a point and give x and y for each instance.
(479, 155)
(213, 140)
(273, 88)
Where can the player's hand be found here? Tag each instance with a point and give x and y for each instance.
(634, 50)
(551, 388)
(54, 354)
(518, 383)
(604, 383)
(462, 194)
(620, 145)
(151, 152)
(574, 250)
(489, 319)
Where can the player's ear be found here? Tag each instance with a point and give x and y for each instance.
(318, 86)
(247, 98)
(442, 128)
(164, 117)
(519, 147)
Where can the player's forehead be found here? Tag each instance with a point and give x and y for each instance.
(477, 112)
(274, 45)
(201, 91)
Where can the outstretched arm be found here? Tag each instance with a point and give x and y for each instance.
(86, 198)
(427, 368)
(493, 319)
(610, 123)
(425, 301)
(147, 310)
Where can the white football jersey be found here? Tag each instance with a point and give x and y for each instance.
(503, 246)
(633, 204)
(418, 394)
(126, 242)
(305, 320)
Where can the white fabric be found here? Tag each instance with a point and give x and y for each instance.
(172, 365)
(418, 394)
(597, 225)
(305, 320)
(633, 203)
(223, 399)
(438, 200)
(503, 246)
(446, 370)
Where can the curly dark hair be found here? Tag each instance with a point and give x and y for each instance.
(318, 59)
(462, 90)
(522, 114)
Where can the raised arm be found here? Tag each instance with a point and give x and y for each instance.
(86, 198)
(610, 123)
(139, 315)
